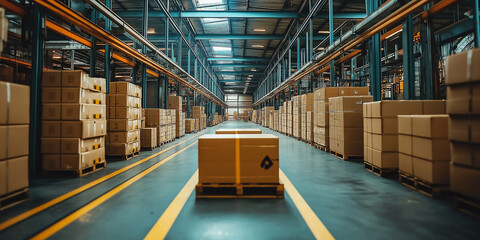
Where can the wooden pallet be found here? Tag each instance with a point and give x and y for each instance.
(149, 148)
(124, 157)
(81, 172)
(429, 189)
(467, 205)
(382, 172)
(346, 157)
(228, 190)
(321, 147)
(14, 198)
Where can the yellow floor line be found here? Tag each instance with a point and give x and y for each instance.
(316, 226)
(165, 222)
(95, 203)
(74, 192)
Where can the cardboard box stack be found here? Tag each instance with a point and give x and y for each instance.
(274, 119)
(235, 117)
(190, 125)
(124, 119)
(171, 125)
(423, 147)
(297, 117)
(199, 114)
(309, 127)
(74, 122)
(157, 118)
(289, 125)
(345, 125)
(381, 128)
(217, 158)
(148, 138)
(266, 116)
(307, 106)
(175, 103)
(254, 116)
(14, 130)
(463, 108)
(217, 119)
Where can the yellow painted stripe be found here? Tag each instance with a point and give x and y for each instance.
(165, 222)
(74, 192)
(237, 160)
(95, 203)
(316, 226)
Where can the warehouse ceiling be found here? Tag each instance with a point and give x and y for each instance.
(239, 47)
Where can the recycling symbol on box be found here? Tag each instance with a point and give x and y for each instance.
(266, 163)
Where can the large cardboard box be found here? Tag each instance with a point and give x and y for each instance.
(384, 109)
(430, 126)
(50, 145)
(51, 129)
(464, 180)
(384, 159)
(464, 128)
(405, 124)
(14, 103)
(405, 163)
(14, 174)
(239, 131)
(79, 95)
(148, 137)
(78, 145)
(384, 125)
(51, 95)
(405, 144)
(463, 67)
(430, 171)
(466, 154)
(175, 102)
(124, 100)
(122, 125)
(73, 111)
(385, 142)
(84, 128)
(125, 88)
(431, 149)
(82, 160)
(238, 158)
(13, 141)
(122, 149)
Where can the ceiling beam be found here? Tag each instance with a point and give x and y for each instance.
(249, 37)
(238, 73)
(238, 59)
(238, 65)
(239, 14)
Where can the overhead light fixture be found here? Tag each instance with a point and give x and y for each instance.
(253, 70)
(258, 46)
(56, 57)
(221, 49)
(259, 30)
(320, 49)
(250, 76)
(393, 34)
(151, 31)
(324, 32)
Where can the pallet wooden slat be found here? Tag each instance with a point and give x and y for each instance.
(216, 190)
(14, 198)
(429, 189)
(381, 172)
(346, 157)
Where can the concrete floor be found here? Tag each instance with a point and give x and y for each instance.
(351, 202)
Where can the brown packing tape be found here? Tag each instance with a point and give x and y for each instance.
(237, 160)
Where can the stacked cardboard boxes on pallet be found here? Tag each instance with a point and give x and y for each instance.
(266, 116)
(307, 106)
(190, 125)
(199, 114)
(297, 117)
(289, 125)
(254, 116)
(381, 128)
(346, 125)
(171, 125)
(423, 146)
(157, 118)
(148, 138)
(14, 136)
(309, 127)
(175, 103)
(281, 119)
(124, 119)
(74, 122)
(463, 107)
(217, 119)
(274, 120)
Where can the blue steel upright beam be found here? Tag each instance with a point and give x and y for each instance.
(144, 51)
(299, 60)
(408, 59)
(427, 63)
(93, 50)
(330, 29)
(374, 56)
(35, 163)
(477, 24)
(108, 52)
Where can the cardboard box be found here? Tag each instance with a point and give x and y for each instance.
(239, 131)
(384, 125)
(385, 142)
(14, 103)
(383, 159)
(82, 160)
(434, 106)
(148, 137)
(14, 174)
(122, 149)
(125, 113)
(125, 88)
(79, 95)
(51, 129)
(77, 145)
(51, 162)
(255, 160)
(50, 145)
(392, 108)
(462, 67)
(431, 172)
(6, 72)
(430, 126)
(405, 124)
(51, 95)
(84, 128)
(405, 144)
(74, 111)
(464, 180)
(175, 102)
(464, 128)
(405, 163)
(13, 141)
(121, 125)
(459, 98)
(51, 78)
(431, 149)
(51, 111)
(123, 137)
(466, 154)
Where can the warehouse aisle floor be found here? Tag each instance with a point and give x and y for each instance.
(351, 202)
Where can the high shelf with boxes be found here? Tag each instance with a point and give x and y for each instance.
(381, 130)
(424, 152)
(346, 128)
(175, 103)
(281, 119)
(74, 122)
(14, 135)
(124, 120)
(171, 125)
(463, 108)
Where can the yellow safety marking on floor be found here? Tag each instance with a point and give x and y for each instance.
(85, 187)
(316, 226)
(95, 203)
(165, 222)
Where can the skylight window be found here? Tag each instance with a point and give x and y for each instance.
(201, 3)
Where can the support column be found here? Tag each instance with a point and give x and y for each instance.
(35, 162)
(427, 76)
(330, 29)
(477, 24)
(93, 50)
(167, 27)
(374, 56)
(408, 59)
(108, 53)
(144, 51)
